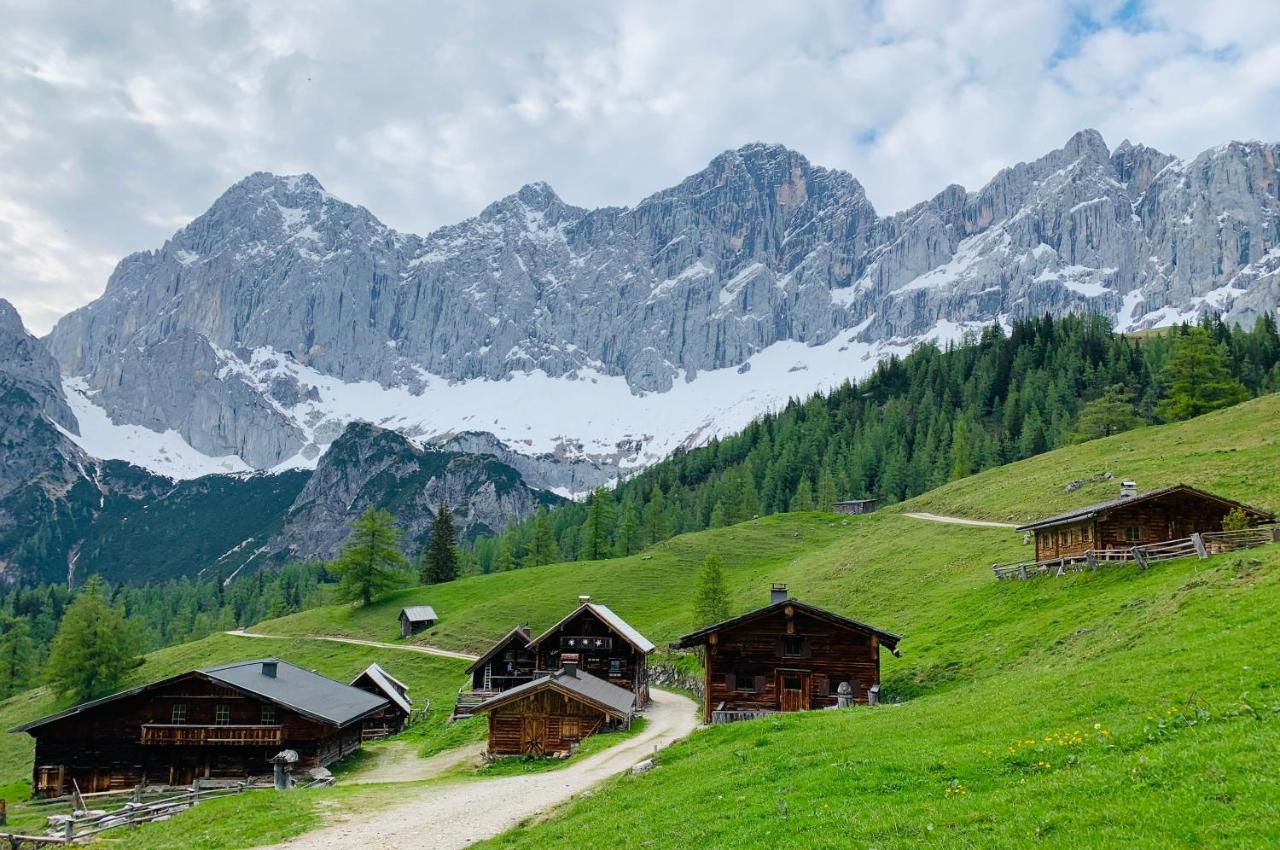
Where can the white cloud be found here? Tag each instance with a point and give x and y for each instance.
(117, 124)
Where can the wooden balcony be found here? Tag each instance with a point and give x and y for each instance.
(190, 735)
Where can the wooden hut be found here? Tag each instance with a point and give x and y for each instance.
(507, 663)
(391, 719)
(787, 656)
(416, 618)
(1135, 519)
(220, 722)
(854, 507)
(552, 713)
(607, 645)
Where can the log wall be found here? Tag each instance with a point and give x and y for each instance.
(543, 723)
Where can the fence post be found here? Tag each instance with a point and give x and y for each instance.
(137, 793)
(1139, 556)
(69, 830)
(1091, 560)
(1198, 542)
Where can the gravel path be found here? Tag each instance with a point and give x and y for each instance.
(445, 817)
(398, 761)
(956, 520)
(403, 647)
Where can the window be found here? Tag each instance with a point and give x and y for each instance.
(790, 683)
(1088, 533)
(1132, 534)
(268, 715)
(222, 714)
(178, 714)
(615, 665)
(793, 646)
(745, 683)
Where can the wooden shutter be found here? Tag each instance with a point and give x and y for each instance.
(730, 682)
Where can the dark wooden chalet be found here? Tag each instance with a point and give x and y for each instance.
(416, 618)
(220, 722)
(552, 713)
(1136, 519)
(608, 646)
(787, 656)
(508, 663)
(393, 717)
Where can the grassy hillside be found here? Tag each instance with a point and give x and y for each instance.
(426, 675)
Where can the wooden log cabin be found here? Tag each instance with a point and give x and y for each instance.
(217, 723)
(551, 714)
(787, 656)
(1136, 519)
(507, 663)
(393, 717)
(416, 618)
(608, 646)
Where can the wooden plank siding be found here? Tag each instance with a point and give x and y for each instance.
(748, 664)
(616, 661)
(542, 723)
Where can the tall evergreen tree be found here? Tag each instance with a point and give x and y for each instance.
(94, 648)
(711, 603)
(544, 549)
(595, 530)
(371, 562)
(628, 539)
(17, 657)
(1197, 379)
(827, 495)
(1110, 413)
(440, 555)
(803, 499)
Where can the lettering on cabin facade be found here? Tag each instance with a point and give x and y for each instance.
(787, 656)
(1135, 519)
(221, 722)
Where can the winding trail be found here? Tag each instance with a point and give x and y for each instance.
(403, 647)
(454, 815)
(956, 520)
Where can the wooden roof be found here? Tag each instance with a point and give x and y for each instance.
(581, 685)
(388, 685)
(889, 639)
(1091, 511)
(620, 626)
(418, 613)
(521, 635)
(314, 696)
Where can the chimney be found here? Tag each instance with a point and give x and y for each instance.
(269, 669)
(778, 593)
(583, 600)
(1128, 489)
(569, 664)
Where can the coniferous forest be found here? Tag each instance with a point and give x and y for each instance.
(916, 422)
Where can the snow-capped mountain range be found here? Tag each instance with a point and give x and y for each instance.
(594, 341)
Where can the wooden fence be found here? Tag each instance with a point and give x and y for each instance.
(1200, 545)
(139, 806)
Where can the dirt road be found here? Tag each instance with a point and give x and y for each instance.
(403, 647)
(956, 520)
(445, 817)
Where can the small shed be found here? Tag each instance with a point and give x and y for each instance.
(390, 720)
(551, 714)
(854, 507)
(1136, 519)
(415, 618)
(787, 656)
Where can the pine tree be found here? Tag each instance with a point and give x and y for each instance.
(506, 560)
(371, 562)
(17, 657)
(656, 526)
(544, 550)
(628, 536)
(1110, 413)
(826, 490)
(595, 530)
(1197, 379)
(803, 498)
(440, 556)
(961, 451)
(94, 647)
(718, 519)
(711, 604)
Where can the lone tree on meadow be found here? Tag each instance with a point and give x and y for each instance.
(1197, 379)
(1110, 413)
(94, 647)
(371, 562)
(710, 603)
(440, 557)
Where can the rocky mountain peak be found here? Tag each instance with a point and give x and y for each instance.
(26, 367)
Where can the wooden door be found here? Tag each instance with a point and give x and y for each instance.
(793, 690)
(533, 736)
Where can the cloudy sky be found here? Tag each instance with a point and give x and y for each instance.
(119, 122)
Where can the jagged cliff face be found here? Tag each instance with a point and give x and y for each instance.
(251, 330)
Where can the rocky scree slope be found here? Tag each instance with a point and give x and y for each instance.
(259, 327)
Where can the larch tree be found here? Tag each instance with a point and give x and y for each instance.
(1197, 379)
(17, 657)
(440, 556)
(803, 498)
(1110, 413)
(710, 602)
(94, 647)
(595, 530)
(371, 562)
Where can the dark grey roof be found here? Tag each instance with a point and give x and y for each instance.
(613, 699)
(418, 613)
(889, 639)
(307, 693)
(520, 633)
(391, 687)
(1090, 511)
(612, 620)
